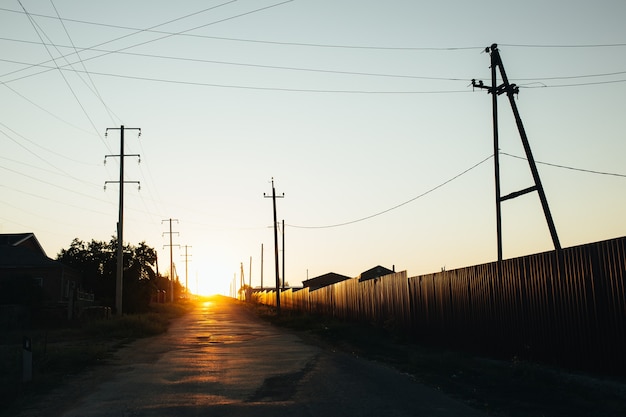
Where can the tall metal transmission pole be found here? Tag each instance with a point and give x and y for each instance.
(511, 89)
(171, 257)
(119, 279)
(276, 245)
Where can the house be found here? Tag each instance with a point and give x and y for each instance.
(22, 258)
(323, 281)
(376, 272)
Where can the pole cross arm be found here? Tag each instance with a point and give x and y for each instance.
(510, 89)
(125, 182)
(106, 132)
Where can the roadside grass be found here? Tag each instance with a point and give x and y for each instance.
(68, 348)
(513, 387)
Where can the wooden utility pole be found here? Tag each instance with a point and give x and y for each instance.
(119, 279)
(261, 267)
(511, 89)
(276, 245)
(242, 283)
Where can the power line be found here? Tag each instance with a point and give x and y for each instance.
(315, 45)
(592, 45)
(95, 88)
(576, 84)
(45, 110)
(572, 77)
(38, 29)
(304, 69)
(568, 167)
(305, 90)
(398, 205)
(63, 203)
(137, 31)
(297, 90)
(242, 64)
(251, 87)
(320, 45)
(168, 35)
(34, 154)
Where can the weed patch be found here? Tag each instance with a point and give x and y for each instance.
(498, 387)
(64, 350)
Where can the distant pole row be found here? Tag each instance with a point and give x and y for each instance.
(171, 256)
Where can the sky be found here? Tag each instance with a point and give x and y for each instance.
(362, 112)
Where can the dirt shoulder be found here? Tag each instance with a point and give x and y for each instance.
(69, 362)
(499, 387)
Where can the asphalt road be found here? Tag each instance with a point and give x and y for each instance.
(221, 360)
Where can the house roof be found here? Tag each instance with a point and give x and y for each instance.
(27, 240)
(324, 280)
(23, 250)
(376, 272)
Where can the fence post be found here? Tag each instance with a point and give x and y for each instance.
(27, 359)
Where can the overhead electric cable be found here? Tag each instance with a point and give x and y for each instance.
(575, 85)
(137, 31)
(32, 142)
(45, 110)
(37, 30)
(54, 185)
(242, 64)
(250, 87)
(168, 35)
(315, 45)
(304, 90)
(398, 205)
(95, 88)
(318, 70)
(65, 203)
(45, 161)
(321, 45)
(567, 167)
(50, 171)
(591, 45)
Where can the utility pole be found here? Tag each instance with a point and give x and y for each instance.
(242, 281)
(250, 277)
(283, 254)
(186, 268)
(276, 245)
(261, 267)
(171, 257)
(119, 281)
(511, 89)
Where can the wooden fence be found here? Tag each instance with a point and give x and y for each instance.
(566, 308)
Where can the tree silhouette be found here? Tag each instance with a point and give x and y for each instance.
(97, 262)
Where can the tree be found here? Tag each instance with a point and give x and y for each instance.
(97, 262)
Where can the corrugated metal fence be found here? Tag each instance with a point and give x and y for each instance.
(567, 309)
